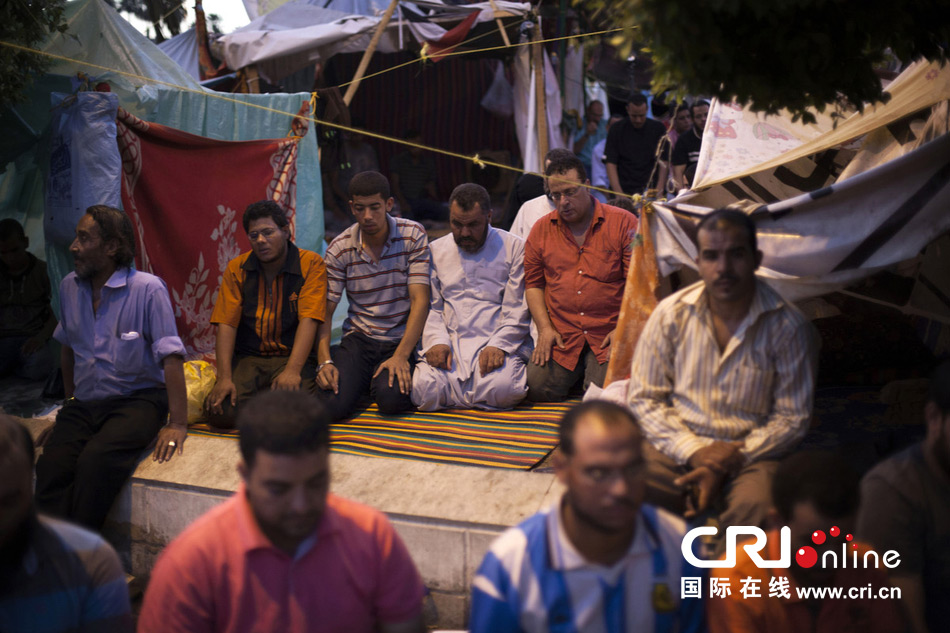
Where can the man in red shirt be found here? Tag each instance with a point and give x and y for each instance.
(575, 264)
(282, 554)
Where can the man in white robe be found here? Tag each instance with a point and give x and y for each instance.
(475, 341)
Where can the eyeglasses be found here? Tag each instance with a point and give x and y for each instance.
(265, 233)
(555, 196)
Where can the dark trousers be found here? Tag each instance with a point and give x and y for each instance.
(356, 358)
(252, 374)
(93, 449)
(553, 383)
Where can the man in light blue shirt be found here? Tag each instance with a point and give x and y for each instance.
(600, 561)
(122, 363)
(593, 132)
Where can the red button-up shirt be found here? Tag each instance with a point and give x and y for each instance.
(583, 284)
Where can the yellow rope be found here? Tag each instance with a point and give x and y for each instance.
(476, 159)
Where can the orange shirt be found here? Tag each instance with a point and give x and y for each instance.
(738, 614)
(583, 284)
(266, 315)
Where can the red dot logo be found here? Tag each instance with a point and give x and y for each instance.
(806, 557)
(817, 537)
(834, 531)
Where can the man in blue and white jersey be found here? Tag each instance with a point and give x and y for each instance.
(599, 560)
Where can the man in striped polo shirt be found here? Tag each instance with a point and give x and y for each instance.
(382, 263)
(270, 301)
(599, 560)
(722, 381)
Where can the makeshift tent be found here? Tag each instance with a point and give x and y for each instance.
(832, 204)
(100, 43)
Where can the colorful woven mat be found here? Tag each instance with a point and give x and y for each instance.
(518, 439)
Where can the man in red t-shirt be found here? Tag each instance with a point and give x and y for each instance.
(282, 554)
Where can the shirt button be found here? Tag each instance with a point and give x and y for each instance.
(578, 292)
(585, 332)
(582, 314)
(580, 272)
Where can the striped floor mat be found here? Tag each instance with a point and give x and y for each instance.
(517, 439)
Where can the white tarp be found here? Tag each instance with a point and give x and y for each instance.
(821, 241)
(298, 33)
(526, 119)
(183, 48)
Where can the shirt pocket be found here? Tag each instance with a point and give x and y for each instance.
(130, 353)
(751, 389)
(605, 266)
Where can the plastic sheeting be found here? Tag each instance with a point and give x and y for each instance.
(183, 49)
(84, 162)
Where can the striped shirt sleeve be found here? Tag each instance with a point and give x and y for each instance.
(418, 251)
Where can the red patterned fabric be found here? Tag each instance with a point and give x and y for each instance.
(185, 195)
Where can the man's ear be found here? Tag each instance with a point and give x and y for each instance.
(390, 203)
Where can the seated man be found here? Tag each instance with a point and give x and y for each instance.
(54, 576)
(283, 554)
(122, 366)
(813, 493)
(413, 175)
(26, 318)
(383, 265)
(910, 513)
(722, 380)
(268, 307)
(575, 266)
(477, 323)
(599, 560)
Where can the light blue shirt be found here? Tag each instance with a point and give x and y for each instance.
(600, 135)
(119, 349)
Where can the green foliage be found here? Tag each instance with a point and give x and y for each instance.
(25, 23)
(167, 13)
(774, 54)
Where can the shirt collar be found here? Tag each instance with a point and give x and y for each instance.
(565, 557)
(252, 538)
(119, 278)
(291, 263)
(765, 299)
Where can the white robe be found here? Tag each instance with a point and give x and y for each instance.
(477, 301)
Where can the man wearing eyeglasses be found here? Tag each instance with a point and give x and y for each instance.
(269, 304)
(575, 263)
(600, 559)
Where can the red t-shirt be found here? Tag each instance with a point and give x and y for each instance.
(222, 574)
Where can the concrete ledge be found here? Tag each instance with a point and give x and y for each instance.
(447, 515)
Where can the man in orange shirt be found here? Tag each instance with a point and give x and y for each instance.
(575, 270)
(816, 495)
(269, 304)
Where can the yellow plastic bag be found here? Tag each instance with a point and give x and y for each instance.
(200, 377)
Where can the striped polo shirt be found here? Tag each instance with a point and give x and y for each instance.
(378, 292)
(266, 315)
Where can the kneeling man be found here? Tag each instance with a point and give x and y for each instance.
(270, 302)
(474, 342)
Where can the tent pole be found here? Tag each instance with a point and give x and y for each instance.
(541, 110)
(361, 70)
(501, 27)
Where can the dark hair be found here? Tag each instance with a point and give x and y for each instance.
(723, 217)
(264, 209)
(282, 422)
(824, 478)
(115, 226)
(623, 202)
(556, 153)
(20, 435)
(10, 228)
(468, 194)
(636, 99)
(683, 107)
(699, 102)
(369, 183)
(563, 163)
(608, 412)
(939, 392)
